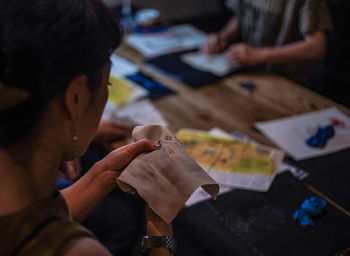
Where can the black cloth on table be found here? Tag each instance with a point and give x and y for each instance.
(240, 222)
(173, 66)
(254, 223)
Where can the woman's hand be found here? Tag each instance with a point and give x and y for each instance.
(157, 227)
(70, 170)
(109, 168)
(215, 44)
(83, 196)
(110, 132)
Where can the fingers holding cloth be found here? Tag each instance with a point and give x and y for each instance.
(166, 177)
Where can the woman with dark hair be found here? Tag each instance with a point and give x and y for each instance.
(54, 68)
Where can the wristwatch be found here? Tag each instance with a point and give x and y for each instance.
(150, 242)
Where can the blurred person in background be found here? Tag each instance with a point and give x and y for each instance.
(287, 36)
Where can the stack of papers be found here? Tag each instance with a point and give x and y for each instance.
(122, 90)
(177, 38)
(127, 100)
(291, 133)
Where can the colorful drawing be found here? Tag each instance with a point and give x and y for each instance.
(226, 154)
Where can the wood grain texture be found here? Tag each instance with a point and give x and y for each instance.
(225, 104)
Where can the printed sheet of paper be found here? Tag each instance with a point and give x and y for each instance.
(122, 67)
(177, 38)
(199, 195)
(291, 133)
(141, 112)
(233, 162)
(215, 64)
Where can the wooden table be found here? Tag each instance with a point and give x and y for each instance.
(225, 104)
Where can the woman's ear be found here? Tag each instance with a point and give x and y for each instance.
(73, 94)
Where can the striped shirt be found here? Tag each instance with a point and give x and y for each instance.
(272, 23)
(278, 22)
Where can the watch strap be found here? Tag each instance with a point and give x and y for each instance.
(150, 242)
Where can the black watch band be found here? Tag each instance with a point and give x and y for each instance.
(150, 242)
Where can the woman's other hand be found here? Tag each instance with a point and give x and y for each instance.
(157, 227)
(111, 132)
(70, 170)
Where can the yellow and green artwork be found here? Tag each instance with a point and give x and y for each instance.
(226, 154)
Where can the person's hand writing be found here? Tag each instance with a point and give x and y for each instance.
(244, 54)
(215, 44)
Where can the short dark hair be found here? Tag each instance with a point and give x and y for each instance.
(44, 44)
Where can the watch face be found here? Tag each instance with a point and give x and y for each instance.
(150, 242)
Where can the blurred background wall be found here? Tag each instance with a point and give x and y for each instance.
(177, 9)
(332, 77)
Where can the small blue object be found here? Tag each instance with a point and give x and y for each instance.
(320, 138)
(145, 30)
(314, 205)
(249, 86)
(310, 207)
(156, 89)
(303, 218)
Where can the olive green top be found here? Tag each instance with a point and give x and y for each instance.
(43, 228)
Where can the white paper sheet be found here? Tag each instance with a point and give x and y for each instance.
(122, 67)
(199, 195)
(141, 112)
(215, 64)
(291, 133)
(176, 38)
